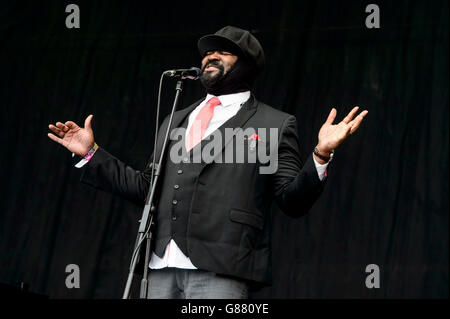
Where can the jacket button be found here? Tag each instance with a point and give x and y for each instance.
(180, 171)
(174, 202)
(176, 186)
(185, 159)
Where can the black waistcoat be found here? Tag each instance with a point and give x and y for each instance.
(174, 200)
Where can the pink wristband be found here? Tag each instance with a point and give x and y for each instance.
(91, 152)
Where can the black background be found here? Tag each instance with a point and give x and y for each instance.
(386, 201)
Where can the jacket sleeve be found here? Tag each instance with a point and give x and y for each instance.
(296, 186)
(107, 173)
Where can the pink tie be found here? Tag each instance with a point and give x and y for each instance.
(201, 122)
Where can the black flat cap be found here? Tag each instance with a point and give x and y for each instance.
(235, 40)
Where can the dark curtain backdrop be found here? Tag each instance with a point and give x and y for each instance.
(386, 201)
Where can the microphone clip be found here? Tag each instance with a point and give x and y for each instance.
(191, 74)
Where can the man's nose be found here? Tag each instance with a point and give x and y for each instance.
(213, 55)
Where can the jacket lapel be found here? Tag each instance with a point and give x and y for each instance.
(178, 118)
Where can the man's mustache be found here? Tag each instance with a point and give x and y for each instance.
(215, 63)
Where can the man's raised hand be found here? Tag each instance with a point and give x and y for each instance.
(76, 139)
(331, 136)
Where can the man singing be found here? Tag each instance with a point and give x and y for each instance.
(212, 236)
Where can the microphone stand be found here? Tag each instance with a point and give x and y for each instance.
(144, 232)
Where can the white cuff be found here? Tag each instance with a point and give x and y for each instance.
(321, 168)
(81, 163)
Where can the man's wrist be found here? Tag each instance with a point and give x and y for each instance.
(322, 150)
(319, 160)
(322, 156)
(91, 152)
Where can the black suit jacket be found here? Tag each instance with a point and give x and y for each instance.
(229, 225)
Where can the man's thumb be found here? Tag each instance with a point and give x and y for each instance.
(87, 122)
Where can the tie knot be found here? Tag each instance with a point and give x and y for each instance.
(214, 101)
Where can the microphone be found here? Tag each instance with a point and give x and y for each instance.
(192, 74)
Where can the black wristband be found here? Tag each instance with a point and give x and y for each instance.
(322, 157)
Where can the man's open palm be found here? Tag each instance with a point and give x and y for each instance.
(76, 139)
(331, 135)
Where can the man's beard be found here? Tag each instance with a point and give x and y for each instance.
(210, 80)
(238, 78)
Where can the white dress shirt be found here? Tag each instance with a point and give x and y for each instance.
(230, 105)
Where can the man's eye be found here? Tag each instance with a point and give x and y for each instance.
(220, 52)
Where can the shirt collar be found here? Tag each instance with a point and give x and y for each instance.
(229, 99)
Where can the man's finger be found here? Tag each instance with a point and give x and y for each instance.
(357, 121)
(71, 125)
(56, 130)
(61, 126)
(350, 115)
(331, 116)
(359, 117)
(355, 127)
(87, 122)
(54, 138)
